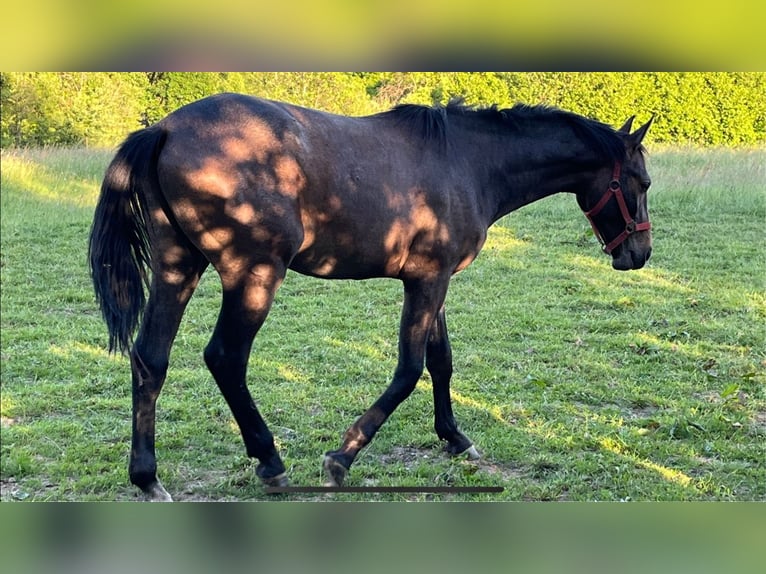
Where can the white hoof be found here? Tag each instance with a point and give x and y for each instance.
(471, 453)
(155, 492)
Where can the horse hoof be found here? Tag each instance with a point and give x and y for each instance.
(277, 481)
(458, 450)
(471, 453)
(335, 472)
(155, 492)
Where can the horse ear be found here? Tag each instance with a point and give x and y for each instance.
(635, 139)
(625, 129)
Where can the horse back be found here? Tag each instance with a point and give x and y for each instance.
(333, 196)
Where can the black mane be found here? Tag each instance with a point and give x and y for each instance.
(599, 136)
(432, 122)
(428, 123)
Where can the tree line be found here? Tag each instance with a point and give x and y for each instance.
(100, 109)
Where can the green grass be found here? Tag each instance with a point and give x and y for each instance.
(576, 382)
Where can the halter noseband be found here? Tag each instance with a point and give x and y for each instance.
(615, 189)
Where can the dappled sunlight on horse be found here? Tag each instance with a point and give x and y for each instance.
(254, 187)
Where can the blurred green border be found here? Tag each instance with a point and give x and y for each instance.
(362, 537)
(344, 34)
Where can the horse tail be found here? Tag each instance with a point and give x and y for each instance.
(119, 250)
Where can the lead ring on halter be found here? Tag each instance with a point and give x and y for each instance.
(615, 190)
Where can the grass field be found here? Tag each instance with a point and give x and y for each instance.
(576, 382)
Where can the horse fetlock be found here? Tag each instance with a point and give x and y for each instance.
(142, 470)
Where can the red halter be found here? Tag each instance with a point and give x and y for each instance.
(615, 189)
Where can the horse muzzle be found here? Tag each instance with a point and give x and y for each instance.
(631, 257)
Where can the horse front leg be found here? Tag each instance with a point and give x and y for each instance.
(439, 365)
(422, 300)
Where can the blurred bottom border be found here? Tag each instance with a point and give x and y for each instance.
(378, 537)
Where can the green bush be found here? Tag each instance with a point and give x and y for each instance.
(690, 108)
(69, 108)
(100, 109)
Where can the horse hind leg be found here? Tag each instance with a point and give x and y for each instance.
(439, 365)
(246, 302)
(178, 268)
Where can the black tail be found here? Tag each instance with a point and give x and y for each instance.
(119, 249)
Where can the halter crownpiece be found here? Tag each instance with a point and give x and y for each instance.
(615, 190)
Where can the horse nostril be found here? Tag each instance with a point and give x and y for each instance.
(640, 259)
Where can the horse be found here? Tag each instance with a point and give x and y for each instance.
(254, 187)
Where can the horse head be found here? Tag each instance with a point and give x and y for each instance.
(615, 203)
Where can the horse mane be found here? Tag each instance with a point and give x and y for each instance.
(431, 123)
(426, 122)
(601, 137)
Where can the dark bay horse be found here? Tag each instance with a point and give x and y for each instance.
(256, 187)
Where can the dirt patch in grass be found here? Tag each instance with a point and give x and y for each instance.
(9, 490)
(643, 412)
(408, 456)
(759, 422)
(505, 471)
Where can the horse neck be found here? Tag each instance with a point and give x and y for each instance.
(522, 173)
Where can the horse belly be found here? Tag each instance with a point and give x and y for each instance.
(338, 261)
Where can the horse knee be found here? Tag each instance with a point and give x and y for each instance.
(148, 366)
(412, 369)
(407, 377)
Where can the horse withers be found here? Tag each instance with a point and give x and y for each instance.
(254, 187)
